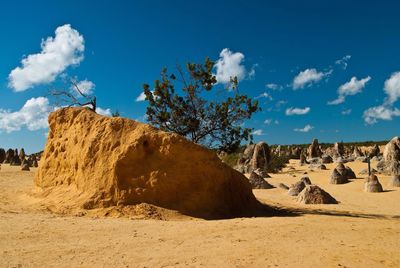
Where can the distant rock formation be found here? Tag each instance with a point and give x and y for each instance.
(375, 151)
(22, 154)
(391, 156)
(9, 156)
(15, 160)
(339, 148)
(357, 152)
(2, 155)
(314, 149)
(254, 157)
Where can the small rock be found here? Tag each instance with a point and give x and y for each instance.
(306, 180)
(283, 186)
(372, 185)
(257, 182)
(25, 167)
(312, 194)
(365, 171)
(296, 188)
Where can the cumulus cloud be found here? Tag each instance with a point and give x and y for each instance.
(105, 112)
(273, 86)
(58, 53)
(141, 97)
(297, 111)
(33, 115)
(252, 72)
(258, 132)
(350, 88)
(343, 62)
(306, 128)
(385, 111)
(382, 112)
(308, 77)
(85, 86)
(230, 64)
(392, 88)
(264, 95)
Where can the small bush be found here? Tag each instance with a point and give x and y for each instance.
(277, 163)
(230, 159)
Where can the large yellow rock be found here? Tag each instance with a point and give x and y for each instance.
(96, 161)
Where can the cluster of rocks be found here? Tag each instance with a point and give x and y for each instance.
(341, 174)
(308, 193)
(15, 158)
(292, 152)
(255, 157)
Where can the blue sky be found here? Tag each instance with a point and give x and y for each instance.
(119, 45)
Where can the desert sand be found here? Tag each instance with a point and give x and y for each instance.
(363, 230)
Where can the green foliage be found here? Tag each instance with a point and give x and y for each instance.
(115, 114)
(277, 163)
(231, 159)
(216, 124)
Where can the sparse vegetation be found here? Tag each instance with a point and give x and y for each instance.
(277, 163)
(211, 121)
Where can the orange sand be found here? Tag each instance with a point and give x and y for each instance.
(362, 231)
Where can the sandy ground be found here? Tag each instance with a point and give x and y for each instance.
(362, 231)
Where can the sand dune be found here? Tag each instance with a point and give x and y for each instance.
(363, 230)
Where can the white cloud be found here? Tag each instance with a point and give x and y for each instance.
(297, 111)
(141, 97)
(382, 112)
(230, 64)
(306, 128)
(258, 132)
(308, 77)
(252, 72)
(268, 121)
(273, 86)
(85, 86)
(33, 115)
(343, 62)
(386, 111)
(64, 50)
(346, 112)
(392, 88)
(105, 112)
(350, 88)
(264, 95)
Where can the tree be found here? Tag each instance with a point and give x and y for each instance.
(74, 97)
(217, 124)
